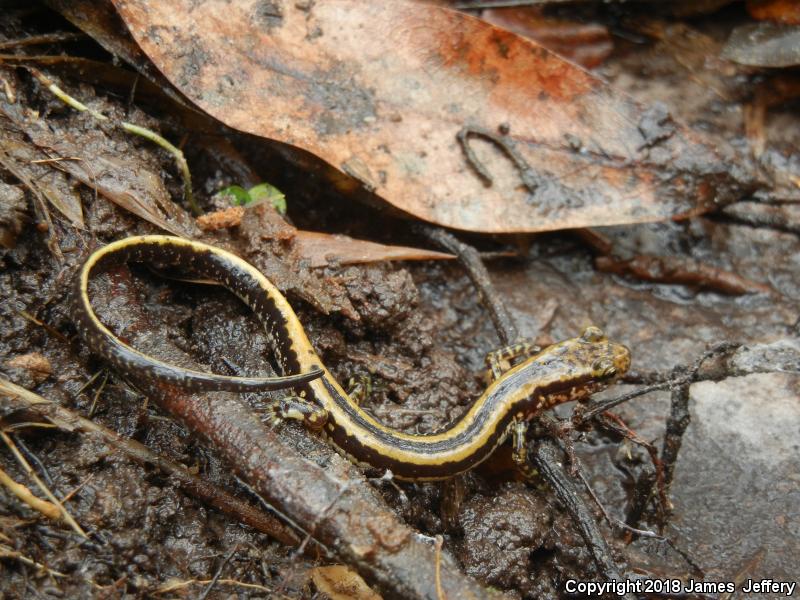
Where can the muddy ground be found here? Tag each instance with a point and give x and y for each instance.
(419, 332)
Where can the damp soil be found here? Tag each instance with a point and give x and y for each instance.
(419, 334)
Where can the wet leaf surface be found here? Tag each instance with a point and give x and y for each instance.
(382, 91)
(112, 170)
(49, 184)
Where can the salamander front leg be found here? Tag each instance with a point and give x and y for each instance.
(499, 361)
(294, 407)
(519, 433)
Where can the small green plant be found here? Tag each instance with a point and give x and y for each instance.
(263, 192)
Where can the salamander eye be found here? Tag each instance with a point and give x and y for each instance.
(603, 367)
(593, 334)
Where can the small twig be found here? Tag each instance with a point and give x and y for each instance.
(58, 159)
(218, 574)
(546, 459)
(7, 552)
(476, 271)
(148, 134)
(46, 38)
(32, 457)
(49, 328)
(681, 270)
(284, 517)
(586, 413)
(677, 423)
(438, 558)
(24, 494)
(598, 242)
(92, 379)
(42, 486)
(696, 568)
(64, 97)
(613, 521)
(762, 214)
(68, 496)
(178, 585)
(27, 425)
(97, 395)
(506, 144)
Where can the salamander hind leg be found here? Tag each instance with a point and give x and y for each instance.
(298, 409)
(360, 387)
(519, 441)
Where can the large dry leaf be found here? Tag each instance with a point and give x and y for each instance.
(381, 90)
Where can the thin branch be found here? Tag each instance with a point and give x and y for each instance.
(218, 574)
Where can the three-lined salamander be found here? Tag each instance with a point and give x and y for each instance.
(569, 370)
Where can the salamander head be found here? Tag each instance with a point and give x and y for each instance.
(608, 360)
(581, 366)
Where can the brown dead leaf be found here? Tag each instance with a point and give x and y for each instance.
(318, 249)
(382, 91)
(322, 249)
(135, 189)
(261, 223)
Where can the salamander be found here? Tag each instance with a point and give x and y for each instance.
(569, 370)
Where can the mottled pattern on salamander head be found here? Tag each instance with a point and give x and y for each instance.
(585, 364)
